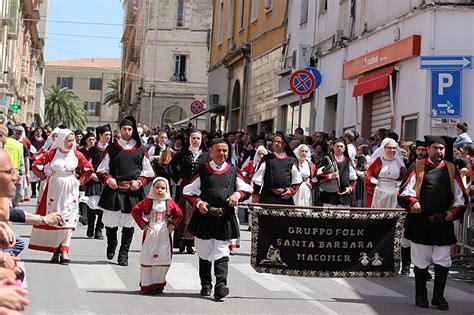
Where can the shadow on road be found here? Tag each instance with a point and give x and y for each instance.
(164, 294)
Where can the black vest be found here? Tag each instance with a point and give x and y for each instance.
(216, 188)
(435, 194)
(277, 171)
(96, 156)
(125, 165)
(344, 173)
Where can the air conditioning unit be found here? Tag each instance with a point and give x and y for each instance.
(300, 57)
(214, 99)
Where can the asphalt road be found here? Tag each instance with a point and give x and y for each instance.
(93, 285)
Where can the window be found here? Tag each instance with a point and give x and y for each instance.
(410, 128)
(221, 24)
(241, 14)
(64, 82)
(323, 5)
(291, 113)
(268, 5)
(230, 18)
(180, 14)
(254, 10)
(304, 11)
(179, 73)
(95, 84)
(92, 108)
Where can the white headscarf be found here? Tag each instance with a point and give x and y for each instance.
(59, 142)
(154, 196)
(256, 159)
(49, 142)
(380, 153)
(298, 149)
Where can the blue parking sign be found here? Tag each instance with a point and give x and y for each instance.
(446, 100)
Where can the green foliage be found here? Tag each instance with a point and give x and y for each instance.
(113, 95)
(63, 106)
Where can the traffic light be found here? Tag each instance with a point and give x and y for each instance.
(14, 107)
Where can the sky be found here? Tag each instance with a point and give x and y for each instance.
(77, 40)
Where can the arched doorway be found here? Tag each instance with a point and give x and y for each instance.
(173, 114)
(235, 108)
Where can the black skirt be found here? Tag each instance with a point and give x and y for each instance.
(115, 200)
(422, 231)
(206, 226)
(268, 196)
(94, 188)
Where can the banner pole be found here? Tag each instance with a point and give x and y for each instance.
(318, 208)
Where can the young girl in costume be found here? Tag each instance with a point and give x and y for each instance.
(161, 216)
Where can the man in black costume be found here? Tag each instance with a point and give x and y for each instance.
(124, 170)
(277, 178)
(214, 192)
(434, 194)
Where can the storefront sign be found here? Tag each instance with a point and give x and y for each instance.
(403, 49)
(326, 244)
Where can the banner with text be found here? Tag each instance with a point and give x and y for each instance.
(326, 244)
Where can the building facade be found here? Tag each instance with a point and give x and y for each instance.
(21, 55)
(165, 59)
(368, 53)
(88, 78)
(247, 46)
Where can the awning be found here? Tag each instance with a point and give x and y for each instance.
(374, 81)
(213, 109)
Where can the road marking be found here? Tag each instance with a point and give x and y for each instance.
(366, 287)
(21, 264)
(183, 276)
(96, 277)
(272, 283)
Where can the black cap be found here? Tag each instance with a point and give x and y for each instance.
(420, 143)
(435, 139)
(88, 135)
(101, 129)
(287, 141)
(131, 122)
(448, 143)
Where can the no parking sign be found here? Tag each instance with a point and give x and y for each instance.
(196, 107)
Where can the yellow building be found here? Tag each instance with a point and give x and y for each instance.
(88, 78)
(246, 51)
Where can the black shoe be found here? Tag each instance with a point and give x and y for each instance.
(98, 235)
(157, 291)
(111, 242)
(206, 291)
(123, 262)
(405, 271)
(221, 292)
(82, 220)
(90, 233)
(182, 249)
(441, 304)
(189, 250)
(64, 261)
(33, 196)
(441, 276)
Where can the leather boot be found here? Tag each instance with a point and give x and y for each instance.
(221, 268)
(421, 295)
(205, 276)
(127, 237)
(111, 234)
(83, 213)
(405, 253)
(441, 275)
(90, 222)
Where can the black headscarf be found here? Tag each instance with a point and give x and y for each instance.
(131, 122)
(287, 141)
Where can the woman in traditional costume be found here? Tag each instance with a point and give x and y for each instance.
(303, 196)
(384, 175)
(60, 168)
(162, 215)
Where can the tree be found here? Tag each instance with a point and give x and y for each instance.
(63, 106)
(112, 97)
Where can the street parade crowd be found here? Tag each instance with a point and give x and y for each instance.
(183, 187)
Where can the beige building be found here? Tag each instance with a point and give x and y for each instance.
(165, 59)
(21, 55)
(88, 78)
(246, 48)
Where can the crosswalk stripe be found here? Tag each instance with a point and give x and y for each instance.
(366, 287)
(183, 276)
(272, 283)
(21, 264)
(96, 277)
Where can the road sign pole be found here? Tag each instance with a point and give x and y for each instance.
(299, 113)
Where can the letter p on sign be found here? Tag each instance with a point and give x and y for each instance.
(445, 80)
